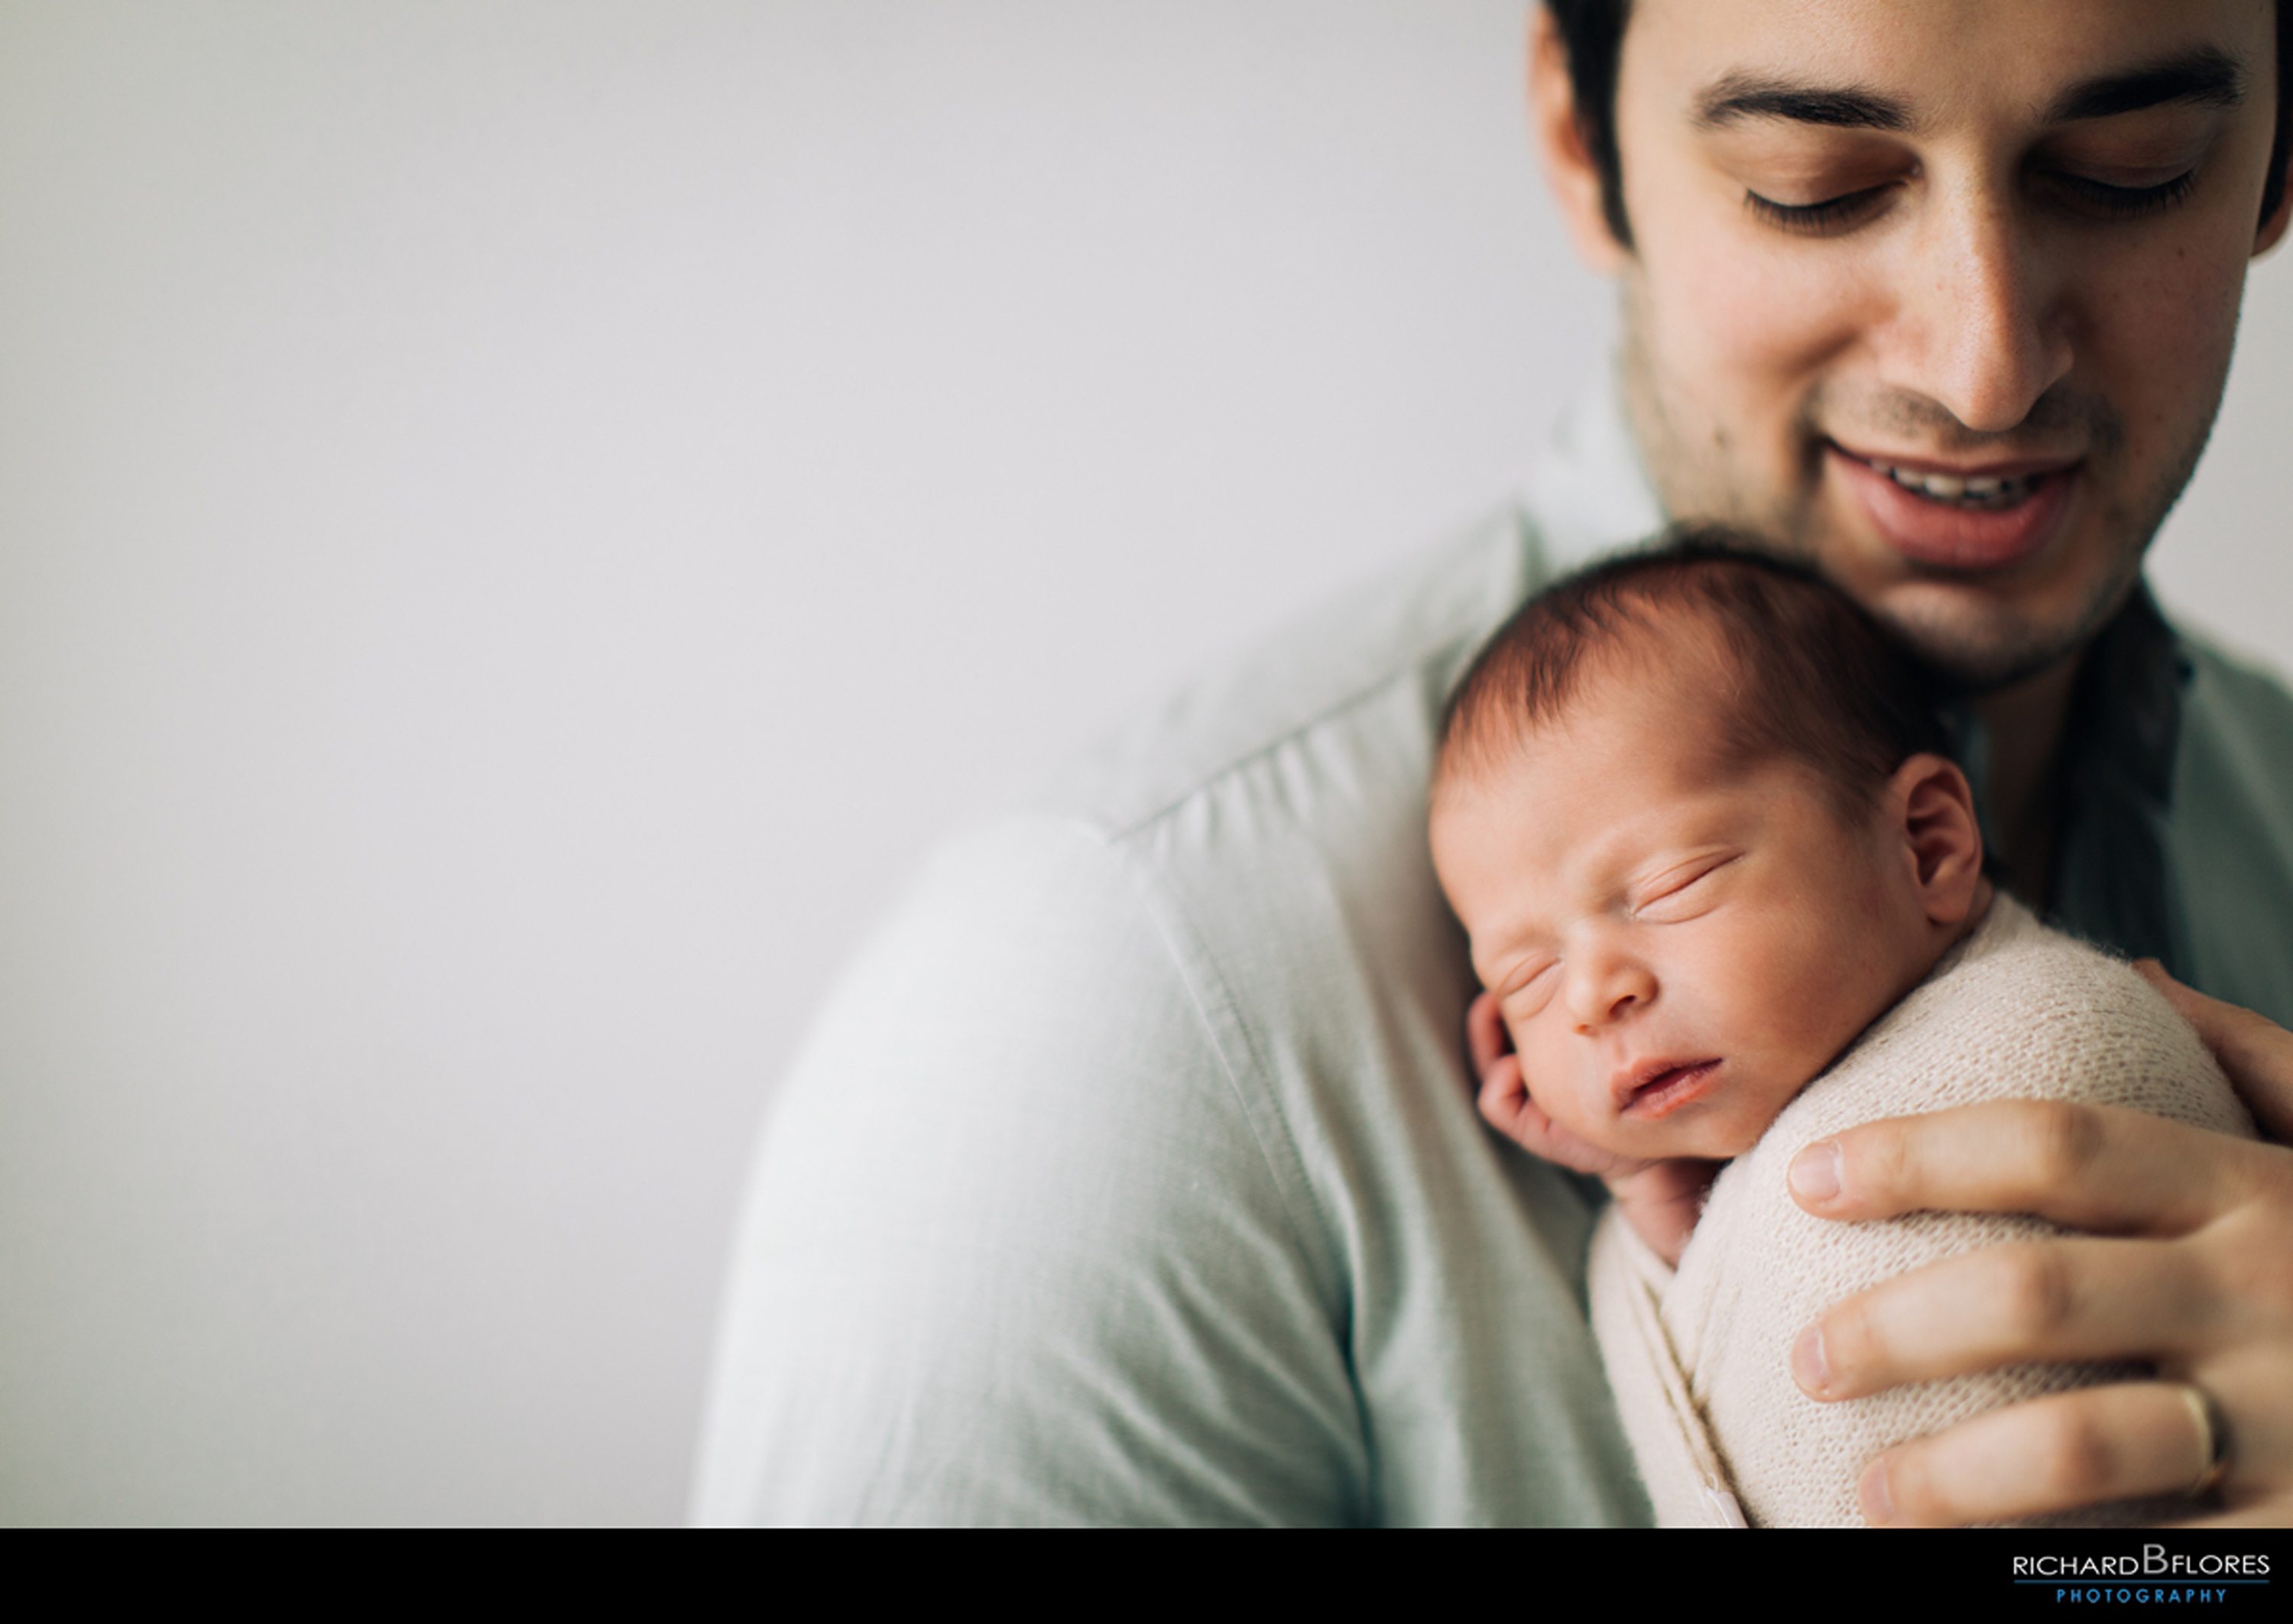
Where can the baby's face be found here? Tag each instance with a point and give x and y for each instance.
(1679, 943)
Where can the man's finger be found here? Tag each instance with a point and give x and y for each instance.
(2097, 1167)
(2255, 1052)
(2122, 1442)
(2057, 1300)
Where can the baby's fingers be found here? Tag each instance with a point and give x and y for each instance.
(1507, 1107)
(1486, 1035)
(1504, 1099)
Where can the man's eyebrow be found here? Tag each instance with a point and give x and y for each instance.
(1737, 97)
(2207, 76)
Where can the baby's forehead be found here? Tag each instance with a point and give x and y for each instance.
(1636, 756)
(1675, 688)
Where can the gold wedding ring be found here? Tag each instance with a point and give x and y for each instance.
(2213, 1437)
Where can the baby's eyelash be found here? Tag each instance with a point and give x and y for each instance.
(1532, 993)
(1675, 888)
(1672, 888)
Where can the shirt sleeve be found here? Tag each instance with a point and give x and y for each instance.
(1012, 1252)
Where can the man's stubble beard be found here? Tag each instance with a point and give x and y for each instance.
(1695, 483)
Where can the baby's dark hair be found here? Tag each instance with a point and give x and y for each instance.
(1810, 675)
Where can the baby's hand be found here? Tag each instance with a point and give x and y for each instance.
(1660, 1200)
(1663, 1200)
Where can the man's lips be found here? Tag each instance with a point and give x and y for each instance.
(1959, 516)
(1656, 1087)
(1995, 468)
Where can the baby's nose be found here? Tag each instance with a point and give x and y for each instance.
(1608, 992)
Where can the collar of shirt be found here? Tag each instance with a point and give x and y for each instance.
(2112, 882)
(1590, 494)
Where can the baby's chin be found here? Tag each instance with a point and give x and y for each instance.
(1729, 1148)
(1719, 1137)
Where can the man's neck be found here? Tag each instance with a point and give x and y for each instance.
(2025, 724)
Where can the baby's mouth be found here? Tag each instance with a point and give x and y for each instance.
(1659, 1090)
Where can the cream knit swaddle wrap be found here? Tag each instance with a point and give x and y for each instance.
(1699, 1357)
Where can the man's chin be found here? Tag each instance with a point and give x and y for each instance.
(1984, 648)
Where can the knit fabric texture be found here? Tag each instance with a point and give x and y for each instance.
(1699, 1357)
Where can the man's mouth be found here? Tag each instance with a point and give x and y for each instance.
(1960, 518)
(1955, 491)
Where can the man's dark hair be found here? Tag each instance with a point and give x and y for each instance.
(1592, 31)
(1807, 674)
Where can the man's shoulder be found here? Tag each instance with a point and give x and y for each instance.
(1235, 887)
(1356, 683)
(1269, 809)
(1132, 1169)
(1267, 823)
(1249, 858)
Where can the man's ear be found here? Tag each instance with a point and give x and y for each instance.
(1568, 166)
(2273, 230)
(1933, 810)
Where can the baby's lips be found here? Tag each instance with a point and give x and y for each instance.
(1628, 1080)
(1671, 1088)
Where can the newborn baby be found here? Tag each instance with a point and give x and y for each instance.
(1693, 809)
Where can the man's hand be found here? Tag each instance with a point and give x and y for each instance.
(1660, 1200)
(2198, 1282)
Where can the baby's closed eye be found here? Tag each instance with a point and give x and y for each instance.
(1532, 991)
(1682, 893)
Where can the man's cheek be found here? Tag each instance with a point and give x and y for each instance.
(1764, 310)
(2167, 322)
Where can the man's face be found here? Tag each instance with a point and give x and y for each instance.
(1996, 249)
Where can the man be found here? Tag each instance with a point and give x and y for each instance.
(1132, 1175)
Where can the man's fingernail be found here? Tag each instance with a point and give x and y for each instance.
(1809, 1365)
(1878, 1505)
(1815, 1171)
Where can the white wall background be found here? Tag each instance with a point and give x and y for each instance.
(517, 524)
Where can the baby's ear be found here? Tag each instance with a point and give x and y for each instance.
(1933, 809)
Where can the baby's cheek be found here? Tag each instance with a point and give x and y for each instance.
(1555, 1084)
(1812, 1001)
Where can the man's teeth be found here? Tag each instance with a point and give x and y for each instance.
(1983, 491)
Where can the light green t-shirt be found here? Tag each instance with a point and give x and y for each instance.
(1132, 1175)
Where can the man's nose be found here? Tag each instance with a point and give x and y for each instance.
(1607, 986)
(1985, 329)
